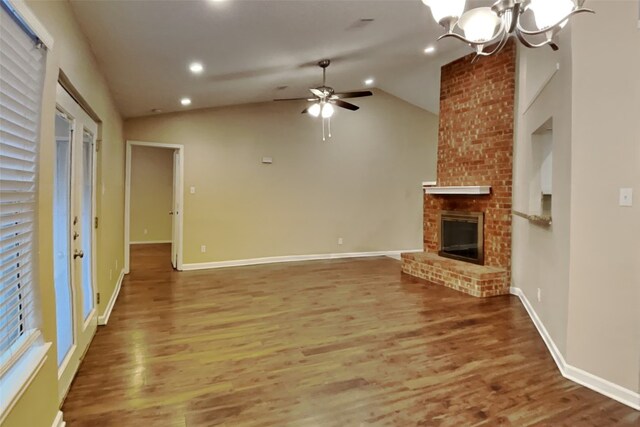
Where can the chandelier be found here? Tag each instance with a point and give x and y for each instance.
(492, 26)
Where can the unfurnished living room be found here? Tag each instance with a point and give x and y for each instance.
(319, 213)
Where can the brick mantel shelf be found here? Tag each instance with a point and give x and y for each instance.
(475, 190)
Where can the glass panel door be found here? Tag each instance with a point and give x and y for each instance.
(74, 236)
(87, 223)
(61, 236)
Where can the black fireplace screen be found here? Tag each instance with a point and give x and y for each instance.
(461, 236)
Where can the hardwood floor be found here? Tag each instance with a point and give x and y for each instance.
(324, 343)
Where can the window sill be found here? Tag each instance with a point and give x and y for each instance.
(15, 380)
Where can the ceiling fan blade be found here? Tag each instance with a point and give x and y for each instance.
(358, 94)
(291, 99)
(345, 104)
(317, 92)
(306, 110)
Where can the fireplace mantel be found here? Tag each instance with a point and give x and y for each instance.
(458, 190)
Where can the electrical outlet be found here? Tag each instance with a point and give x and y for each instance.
(145, 231)
(340, 240)
(192, 190)
(539, 294)
(626, 197)
(203, 248)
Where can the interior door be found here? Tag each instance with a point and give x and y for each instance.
(78, 222)
(175, 209)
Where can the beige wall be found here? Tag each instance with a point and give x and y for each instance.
(363, 185)
(541, 254)
(71, 53)
(151, 194)
(587, 263)
(604, 296)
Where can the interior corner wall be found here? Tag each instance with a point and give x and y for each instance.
(363, 184)
(604, 295)
(541, 253)
(151, 194)
(586, 263)
(71, 52)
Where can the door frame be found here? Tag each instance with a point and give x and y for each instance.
(127, 197)
(83, 328)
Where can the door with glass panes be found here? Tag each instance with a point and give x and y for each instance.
(74, 234)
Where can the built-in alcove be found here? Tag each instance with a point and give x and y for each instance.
(541, 179)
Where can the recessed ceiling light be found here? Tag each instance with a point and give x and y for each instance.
(196, 67)
(369, 82)
(185, 101)
(429, 49)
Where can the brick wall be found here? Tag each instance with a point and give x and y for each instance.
(475, 147)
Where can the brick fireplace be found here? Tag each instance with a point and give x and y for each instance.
(475, 148)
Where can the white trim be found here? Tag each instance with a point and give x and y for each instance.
(149, 242)
(291, 258)
(127, 198)
(17, 349)
(104, 319)
(595, 383)
(541, 88)
(466, 189)
(429, 183)
(34, 23)
(58, 421)
(18, 378)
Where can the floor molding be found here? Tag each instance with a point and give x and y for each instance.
(292, 258)
(149, 242)
(580, 376)
(102, 320)
(58, 421)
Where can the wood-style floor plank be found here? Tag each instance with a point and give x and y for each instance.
(324, 343)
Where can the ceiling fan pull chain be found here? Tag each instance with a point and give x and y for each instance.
(323, 138)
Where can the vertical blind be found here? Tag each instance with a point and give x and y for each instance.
(22, 63)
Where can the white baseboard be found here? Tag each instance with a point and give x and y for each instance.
(292, 258)
(582, 377)
(102, 320)
(58, 421)
(150, 242)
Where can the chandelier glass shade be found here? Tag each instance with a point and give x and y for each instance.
(492, 26)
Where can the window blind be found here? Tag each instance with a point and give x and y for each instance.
(22, 61)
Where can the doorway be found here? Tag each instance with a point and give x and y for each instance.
(148, 165)
(74, 237)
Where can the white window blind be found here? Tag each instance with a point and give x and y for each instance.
(22, 62)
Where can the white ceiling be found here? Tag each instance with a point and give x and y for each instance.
(250, 48)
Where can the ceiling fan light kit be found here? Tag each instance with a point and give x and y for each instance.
(324, 98)
(484, 26)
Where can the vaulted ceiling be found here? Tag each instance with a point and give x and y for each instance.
(255, 51)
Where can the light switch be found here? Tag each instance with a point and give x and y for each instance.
(267, 160)
(626, 197)
(192, 190)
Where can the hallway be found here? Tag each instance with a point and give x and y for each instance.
(323, 343)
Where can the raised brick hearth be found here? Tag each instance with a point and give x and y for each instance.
(476, 280)
(475, 147)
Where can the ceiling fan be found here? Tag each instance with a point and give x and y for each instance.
(324, 98)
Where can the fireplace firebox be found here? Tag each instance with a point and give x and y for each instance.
(461, 236)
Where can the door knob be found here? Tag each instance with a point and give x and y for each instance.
(170, 212)
(77, 254)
